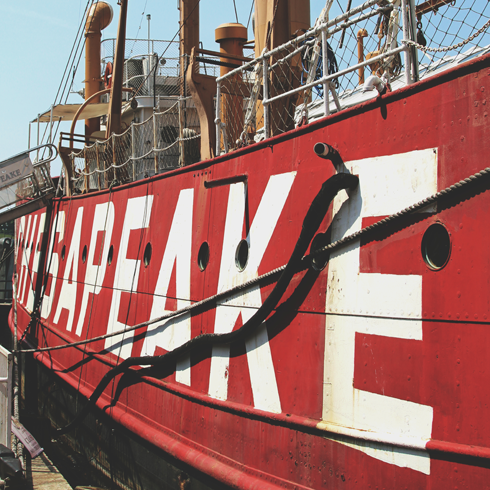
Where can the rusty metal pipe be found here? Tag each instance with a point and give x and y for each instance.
(88, 101)
(98, 18)
(231, 38)
(361, 34)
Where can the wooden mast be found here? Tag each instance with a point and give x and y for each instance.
(277, 22)
(189, 35)
(115, 101)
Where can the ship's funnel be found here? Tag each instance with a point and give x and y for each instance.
(231, 38)
(98, 18)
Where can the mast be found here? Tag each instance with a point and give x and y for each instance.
(189, 34)
(277, 22)
(115, 101)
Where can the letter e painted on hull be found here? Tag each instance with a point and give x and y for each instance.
(386, 185)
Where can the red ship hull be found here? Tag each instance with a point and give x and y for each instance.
(369, 373)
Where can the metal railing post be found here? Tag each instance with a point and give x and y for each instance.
(98, 164)
(51, 124)
(181, 133)
(133, 152)
(413, 51)
(38, 122)
(218, 118)
(87, 170)
(114, 157)
(326, 90)
(265, 77)
(408, 78)
(155, 153)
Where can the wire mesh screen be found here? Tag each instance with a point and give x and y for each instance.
(165, 141)
(447, 28)
(236, 96)
(296, 64)
(448, 31)
(150, 67)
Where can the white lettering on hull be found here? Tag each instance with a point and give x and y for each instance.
(174, 332)
(95, 273)
(53, 264)
(35, 262)
(138, 212)
(28, 237)
(261, 367)
(68, 292)
(22, 232)
(387, 185)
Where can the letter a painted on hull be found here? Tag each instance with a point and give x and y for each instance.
(138, 212)
(174, 332)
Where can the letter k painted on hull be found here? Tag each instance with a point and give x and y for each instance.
(260, 364)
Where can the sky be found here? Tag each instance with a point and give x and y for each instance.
(36, 39)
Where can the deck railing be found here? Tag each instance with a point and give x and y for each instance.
(325, 69)
(165, 141)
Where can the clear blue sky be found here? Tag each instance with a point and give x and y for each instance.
(36, 38)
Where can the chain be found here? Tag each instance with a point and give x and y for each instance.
(448, 48)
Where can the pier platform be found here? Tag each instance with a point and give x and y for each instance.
(42, 474)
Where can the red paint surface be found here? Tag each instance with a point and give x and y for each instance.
(248, 448)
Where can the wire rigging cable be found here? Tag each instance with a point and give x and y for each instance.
(236, 14)
(71, 67)
(139, 29)
(250, 14)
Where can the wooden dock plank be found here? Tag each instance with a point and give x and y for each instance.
(42, 474)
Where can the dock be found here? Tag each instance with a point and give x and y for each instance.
(42, 474)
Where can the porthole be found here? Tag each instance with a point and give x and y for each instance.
(241, 255)
(203, 256)
(436, 246)
(147, 254)
(84, 254)
(63, 251)
(110, 254)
